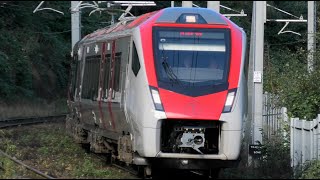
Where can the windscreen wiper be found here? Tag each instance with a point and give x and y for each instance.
(167, 68)
(170, 73)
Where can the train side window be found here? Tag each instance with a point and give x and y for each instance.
(74, 65)
(95, 77)
(84, 85)
(107, 75)
(135, 61)
(91, 77)
(117, 67)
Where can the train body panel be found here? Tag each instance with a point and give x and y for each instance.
(139, 96)
(169, 85)
(102, 94)
(179, 106)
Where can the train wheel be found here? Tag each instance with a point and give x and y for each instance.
(145, 172)
(109, 158)
(213, 173)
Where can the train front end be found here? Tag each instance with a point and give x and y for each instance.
(194, 64)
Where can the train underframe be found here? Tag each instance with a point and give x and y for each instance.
(177, 136)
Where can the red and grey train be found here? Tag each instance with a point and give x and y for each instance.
(167, 89)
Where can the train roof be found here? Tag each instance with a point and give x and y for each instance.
(166, 15)
(123, 26)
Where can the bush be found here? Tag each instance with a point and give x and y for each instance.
(287, 76)
(273, 164)
(6, 84)
(310, 170)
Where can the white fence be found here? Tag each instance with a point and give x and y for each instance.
(304, 135)
(273, 115)
(304, 138)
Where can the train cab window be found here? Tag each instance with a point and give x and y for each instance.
(192, 61)
(135, 61)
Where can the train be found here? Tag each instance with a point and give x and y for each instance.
(165, 90)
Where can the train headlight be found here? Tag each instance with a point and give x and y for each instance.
(156, 98)
(230, 100)
(198, 140)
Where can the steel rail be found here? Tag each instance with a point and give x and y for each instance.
(26, 166)
(30, 120)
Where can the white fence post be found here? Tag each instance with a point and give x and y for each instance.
(312, 129)
(304, 140)
(298, 141)
(314, 138)
(292, 141)
(303, 152)
(317, 136)
(284, 118)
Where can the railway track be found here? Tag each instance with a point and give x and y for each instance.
(134, 171)
(120, 166)
(26, 166)
(30, 120)
(60, 118)
(12, 122)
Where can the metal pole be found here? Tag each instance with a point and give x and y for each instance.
(214, 5)
(258, 51)
(186, 3)
(75, 23)
(311, 33)
(249, 123)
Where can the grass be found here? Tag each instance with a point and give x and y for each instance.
(49, 149)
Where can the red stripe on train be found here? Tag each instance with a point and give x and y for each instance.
(111, 83)
(146, 39)
(236, 57)
(101, 80)
(207, 107)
